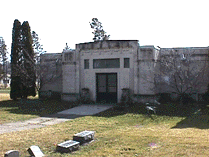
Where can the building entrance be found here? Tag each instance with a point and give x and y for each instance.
(106, 87)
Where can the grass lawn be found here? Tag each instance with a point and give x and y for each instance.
(120, 133)
(32, 108)
(5, 91)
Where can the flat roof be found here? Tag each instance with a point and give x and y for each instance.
(52, 53)
(186, 48)
(107, 41)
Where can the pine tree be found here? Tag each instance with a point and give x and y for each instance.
(16, 88)
(29, 72)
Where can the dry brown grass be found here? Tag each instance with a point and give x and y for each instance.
(118, 134)
(122, 135)
(32, 108)
(6, 106)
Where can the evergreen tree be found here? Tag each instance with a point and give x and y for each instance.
(29, 72)
(23, 77)
(15, 61)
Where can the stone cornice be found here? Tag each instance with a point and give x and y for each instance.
(127, 50)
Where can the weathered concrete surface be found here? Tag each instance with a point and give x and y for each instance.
(53, 119)
(30, 124)
(86, 109)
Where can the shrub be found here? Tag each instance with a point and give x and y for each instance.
(205, 96)
(186, 99)
(164, 98)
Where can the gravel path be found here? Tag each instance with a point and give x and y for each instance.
(30, 124)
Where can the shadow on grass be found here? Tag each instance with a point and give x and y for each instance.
(198, 119)
(192, 117)
(194, 121)
(49, 108)
(162, 110)
(38, 107)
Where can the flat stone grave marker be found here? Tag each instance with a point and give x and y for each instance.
(35, 151)
(68, 146)
(84, 136)
(12, 153)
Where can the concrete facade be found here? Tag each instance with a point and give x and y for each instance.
(107, 50)
(191, 63)
(79, 68)
(51, 74)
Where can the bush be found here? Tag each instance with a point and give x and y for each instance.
(186, 99)
(205, 96)
(164, 98)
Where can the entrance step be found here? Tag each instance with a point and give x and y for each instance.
(86, 110)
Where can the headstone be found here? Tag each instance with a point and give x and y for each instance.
(84, 136)
(12, 153)
(35, 151)
(68, 146)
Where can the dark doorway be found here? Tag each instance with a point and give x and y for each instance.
(106, 90)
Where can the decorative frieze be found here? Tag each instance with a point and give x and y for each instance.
(110, 51)
(108, 44)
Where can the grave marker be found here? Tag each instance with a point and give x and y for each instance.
(35, 151)
(68, 146)
(12, 153)
(84, 136)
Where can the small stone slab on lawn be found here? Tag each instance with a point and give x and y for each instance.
(84, 136)
(12, 153)
(68, 146)
(35, 151)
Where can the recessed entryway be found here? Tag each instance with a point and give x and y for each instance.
(106, 87)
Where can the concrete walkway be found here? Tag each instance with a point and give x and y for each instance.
(66, 115)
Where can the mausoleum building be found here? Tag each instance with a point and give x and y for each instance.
(106, 68)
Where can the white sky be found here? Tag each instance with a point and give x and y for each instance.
(164, 23)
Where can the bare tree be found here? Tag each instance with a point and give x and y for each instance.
(3, 57)
(51, 70)
(38, 50)
(182, 73)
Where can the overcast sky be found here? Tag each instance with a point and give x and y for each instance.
(164, 23)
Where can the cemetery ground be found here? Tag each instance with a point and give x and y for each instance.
(173, 132)
(10, 111)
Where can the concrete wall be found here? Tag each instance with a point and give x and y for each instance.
(193, 64)
(70, 72)
(147, 65)
(51, 74)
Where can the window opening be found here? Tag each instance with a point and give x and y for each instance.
(126, 63)
(86, 63)
(106, 63)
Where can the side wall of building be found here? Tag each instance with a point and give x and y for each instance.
(70, 72)
(190, 67)
(51, 75)
(145, 68)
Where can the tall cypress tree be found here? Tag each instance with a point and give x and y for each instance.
(29, 73)
(23, 76)
(16, 88)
